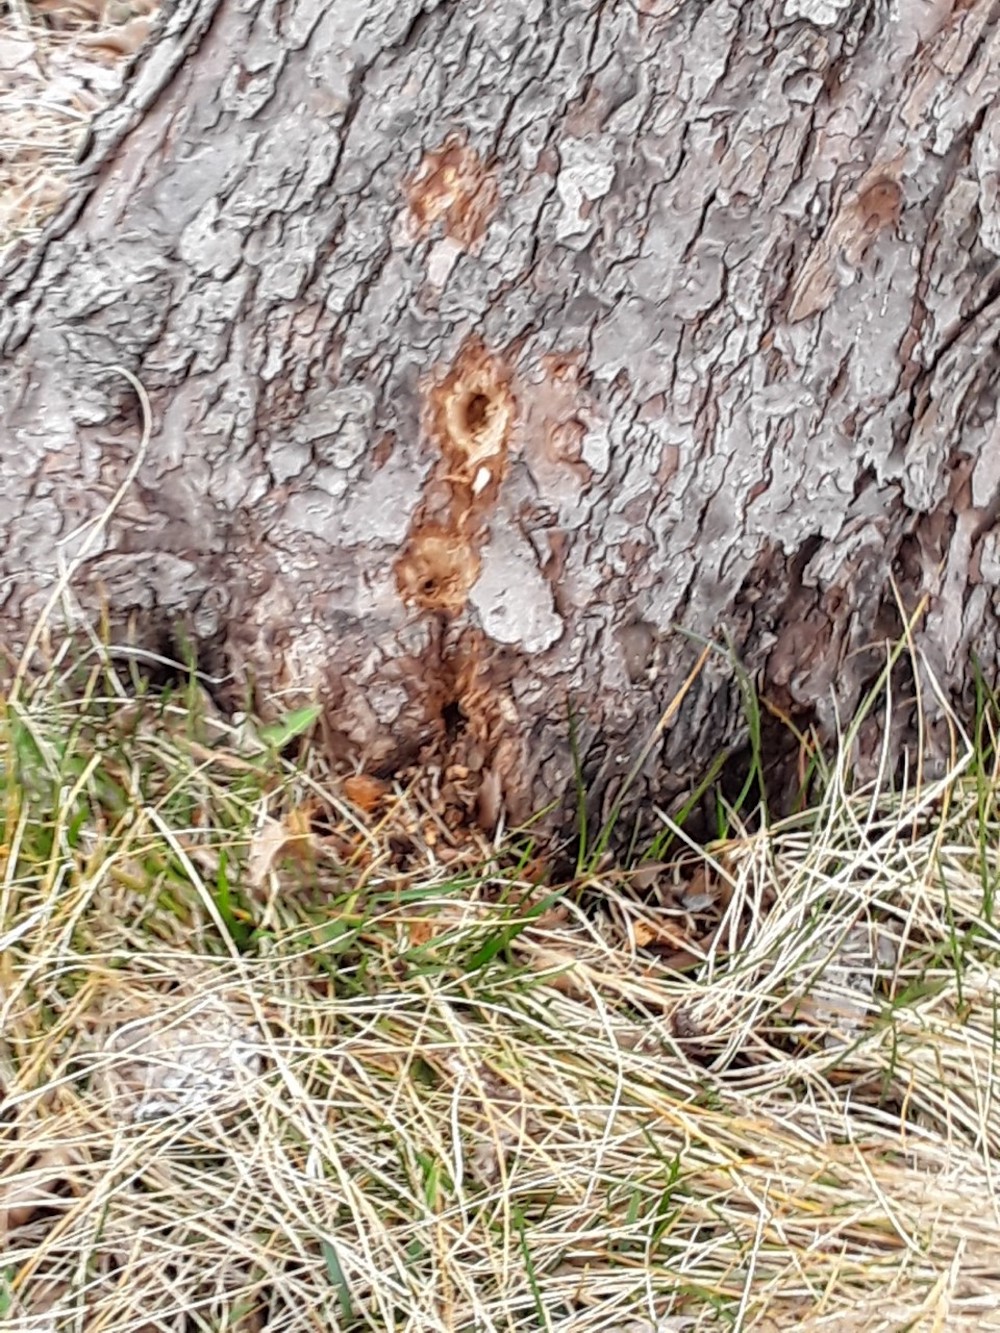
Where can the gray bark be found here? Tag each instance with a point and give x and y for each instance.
(502, 352)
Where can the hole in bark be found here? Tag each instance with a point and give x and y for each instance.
(472, 408)
(437, 570)
(453, 185)
(477, 411)
(452, 717)
(477, 419)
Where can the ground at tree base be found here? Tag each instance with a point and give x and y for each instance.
(270, 1061)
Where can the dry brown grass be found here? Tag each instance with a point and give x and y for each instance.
(264, 1081)
(60, 62)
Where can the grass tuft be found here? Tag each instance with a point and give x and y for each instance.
(256, 1077)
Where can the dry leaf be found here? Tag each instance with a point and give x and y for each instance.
(697, 902)
(642, 933)
(490, 801)
(421, 930)
(23, 1196)
(647, 875)
(40, 1299)
(499, 1116)
(275, 838)
(265, 848)
(299, 820)
(700, 892)
(661, 933)
(365, 792)
(164, 1064)
(841, 975)
(537, 870)
(16, 51)
(115, 43)
(555, 916)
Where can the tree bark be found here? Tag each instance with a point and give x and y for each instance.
(502, 354)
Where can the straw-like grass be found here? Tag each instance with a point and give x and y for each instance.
(254, 1078)
(60, 63)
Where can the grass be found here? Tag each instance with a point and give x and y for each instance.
(256, 1077)
(60, 63)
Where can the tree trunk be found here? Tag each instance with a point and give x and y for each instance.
(502, 354)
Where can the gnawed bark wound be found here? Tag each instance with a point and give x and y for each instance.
(468, 727)
(437, 569)
(468, 420)
(472, 411)
(469, 718)
(875, 205)
(452, 186)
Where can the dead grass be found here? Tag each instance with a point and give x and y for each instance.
(254, 1078)
(60, 62)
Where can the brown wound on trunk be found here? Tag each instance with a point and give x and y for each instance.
(468, 418)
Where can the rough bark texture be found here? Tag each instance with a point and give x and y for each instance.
(502, 351)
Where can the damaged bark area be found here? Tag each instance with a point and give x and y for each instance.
(501, 355)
